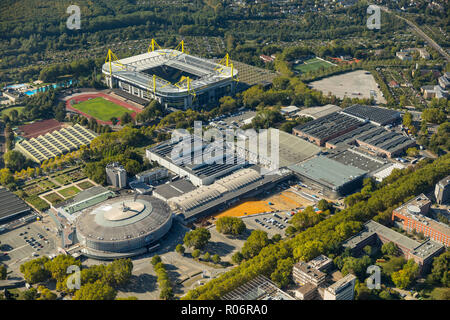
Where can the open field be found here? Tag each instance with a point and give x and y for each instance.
(69, 192)
(312, 65)
(101, 109)
(286, 200)
(356, 84)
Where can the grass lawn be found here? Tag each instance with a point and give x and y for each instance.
(101, 109)
(53, 198)
(85, 185)
(69, 192)
(312, 65)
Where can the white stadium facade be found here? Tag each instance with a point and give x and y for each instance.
(174, 78)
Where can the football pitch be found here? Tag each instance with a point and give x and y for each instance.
(101, 109)
(312, 65)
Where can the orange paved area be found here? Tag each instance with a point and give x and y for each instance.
(286, 200)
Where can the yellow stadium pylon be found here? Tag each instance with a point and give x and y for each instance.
(111, 59)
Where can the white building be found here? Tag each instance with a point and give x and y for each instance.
(116, 175)
(343, 289)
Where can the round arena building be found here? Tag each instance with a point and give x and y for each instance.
(123, 226)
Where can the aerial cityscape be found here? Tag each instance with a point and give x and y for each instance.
(225, 150)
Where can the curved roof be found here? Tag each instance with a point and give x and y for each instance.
(131, 70)
(206, 194)
(151, 213)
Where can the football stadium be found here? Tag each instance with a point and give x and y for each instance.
(173, 77)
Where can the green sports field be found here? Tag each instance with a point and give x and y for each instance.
(101, 109)
(312, 65)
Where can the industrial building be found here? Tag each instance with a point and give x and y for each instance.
(357, 158)
(116, 175)
(123, 227)
(318, 112)
(343, 289)
(225, 192)
(174, 78)
(152, 175)
(187, 159)
(173, 189)
(55, 143)
(442, 190)
(413, 216)
(11, 206)
(70, 209)
(259, 288)
(332, 177)
(386, 171)
(326, 128)
(374, 233)
(290, 149)
(375, 115)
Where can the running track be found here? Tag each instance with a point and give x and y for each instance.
(87, 96)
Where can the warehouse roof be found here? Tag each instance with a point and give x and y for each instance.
(318, 112)
(357, 159)
(389, 141)
(174, 189)
(376, 115)
(11, 205)
(329, 125)
(327, 171)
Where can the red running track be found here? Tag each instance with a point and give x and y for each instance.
(85, 97)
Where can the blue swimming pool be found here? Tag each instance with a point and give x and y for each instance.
(43, 89)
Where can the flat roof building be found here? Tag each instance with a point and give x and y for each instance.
(173, 189)
(412, 216)
(186, 158)
(326, 128)
(304, 273)
(442, 190)
(357, 158)
(334, 178)
(259, 288)
(318, 112)
(11, 205)
(343, 289)
(152, 175)
(375, 115)
(374, 232)
(321, 263)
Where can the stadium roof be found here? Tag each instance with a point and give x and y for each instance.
(11, 205)
(376, 115)
(131, 70)
(327, 171)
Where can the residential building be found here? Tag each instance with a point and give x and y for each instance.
(303, 273)
(442, 190)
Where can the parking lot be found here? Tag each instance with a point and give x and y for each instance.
(25, 243)
(233, 121)
(272, 223)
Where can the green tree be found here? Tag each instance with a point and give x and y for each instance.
(237, 258)
(197, 238)
(180, 249)
(30, 294)
(405, 277)
(155, 260)
(118, 272)
(440, 272)
(207, 256)
(3, 272)
(230, 225)
(34, 271)
(126, 118)
(216, 258)
(58, 266)
(196, 253)
(98, 290)
(390, 248)
(255, 242)
(14, 160)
